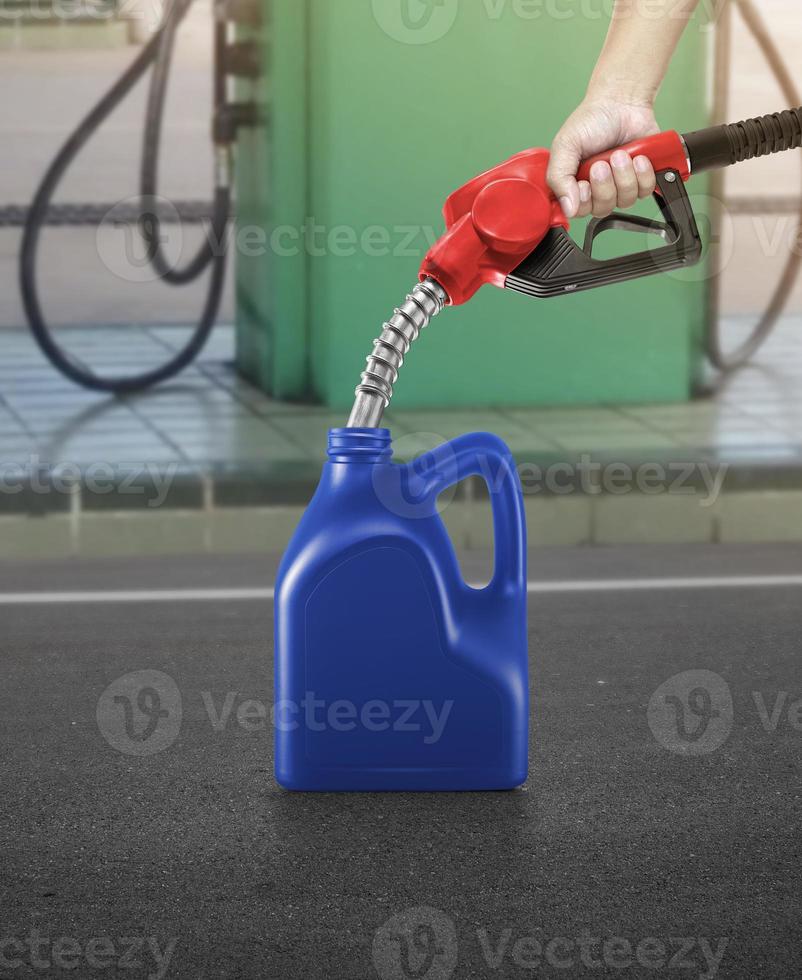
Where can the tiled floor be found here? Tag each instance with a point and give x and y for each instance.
(211, 417)
(208, 464)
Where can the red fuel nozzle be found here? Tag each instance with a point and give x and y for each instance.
(493, 223)
(500, 217)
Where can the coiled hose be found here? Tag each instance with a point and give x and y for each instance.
(157, 52)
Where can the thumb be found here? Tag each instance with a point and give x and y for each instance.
(561, 175)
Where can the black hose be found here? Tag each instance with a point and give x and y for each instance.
(723, 146)
(149, 223)
(62, 360)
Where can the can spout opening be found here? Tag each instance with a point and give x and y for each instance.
(360, 445)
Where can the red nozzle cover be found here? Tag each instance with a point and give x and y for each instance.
(500, 217)
(494, 222)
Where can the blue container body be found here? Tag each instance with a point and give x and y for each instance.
(392, 673)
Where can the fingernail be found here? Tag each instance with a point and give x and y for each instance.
(584, 191)
(642, 164)
(600, 171)
(620, 159)
(568, 206)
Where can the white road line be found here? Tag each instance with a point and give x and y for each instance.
(267, 594)
(161, 595)
(667, 584)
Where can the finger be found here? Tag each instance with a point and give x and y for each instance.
(647, 181)
(585, 199)
(561, 176)
(626, 180)
(603, 189)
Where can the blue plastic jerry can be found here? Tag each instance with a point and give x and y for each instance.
(392, 673)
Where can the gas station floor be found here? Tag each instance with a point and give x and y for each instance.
(186, 461)
(210, 416)
(643, 843)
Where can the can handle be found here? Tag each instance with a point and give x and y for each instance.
(485, 455)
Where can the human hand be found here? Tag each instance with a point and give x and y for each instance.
(600, 124)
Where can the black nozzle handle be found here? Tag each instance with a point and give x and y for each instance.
(722, 146)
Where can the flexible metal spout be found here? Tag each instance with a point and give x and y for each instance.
(373, 395)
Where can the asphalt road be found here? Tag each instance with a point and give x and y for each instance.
(646, 842)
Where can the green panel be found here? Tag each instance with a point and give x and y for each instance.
(392, 128)
(272, 200)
